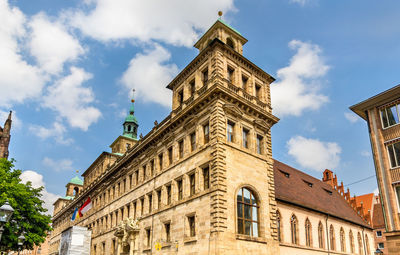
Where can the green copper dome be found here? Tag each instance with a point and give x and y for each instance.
(76, 180)
(131, 124)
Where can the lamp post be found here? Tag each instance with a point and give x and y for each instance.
(21, 240)
(6, 212)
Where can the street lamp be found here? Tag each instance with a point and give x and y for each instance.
(21, 240)
(5, 215)
(378, 251)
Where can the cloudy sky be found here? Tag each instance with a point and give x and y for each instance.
(67, 68)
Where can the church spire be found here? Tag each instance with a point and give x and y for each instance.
(131, 124)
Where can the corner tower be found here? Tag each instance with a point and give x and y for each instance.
(5, 137)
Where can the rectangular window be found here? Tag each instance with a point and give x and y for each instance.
(206, 177)
(394, 154)
(180, 189)
(158, 199)
(258, 91)
(245, 138)
(167, 228)
(192, 86)
(180, 144)
(193, 141)
(148, 237)
(398, 194)
(128, 210)
(145, 174)
(160, 161)
(204, 75)
(192, 226)
(244, 82)
(192, 180)
(142, 206)
(381, 246)
(390, 116)
(168, 194)
(137, 177)
(229, 131)
(152, 167)
(230, 72)
(206, 130)
(130, 181)
(134, 210)
(170, 155)
(150, 202)
(259, 144)
(180, 97)
(379, 233)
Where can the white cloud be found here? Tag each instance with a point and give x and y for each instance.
(70, 99)
(57, 131)
(37, 181)
(298, 85)
(314, 154)
(19, 80)
(51, 44)
(300, 2)
(365, 153)
(175, 22)
(58, 165)
(351, 117)
(149, 75)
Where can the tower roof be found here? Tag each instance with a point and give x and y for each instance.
(76, 180)
(131, 116)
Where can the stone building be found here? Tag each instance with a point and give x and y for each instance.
(382, 114)
(202, 180)
(5, 137)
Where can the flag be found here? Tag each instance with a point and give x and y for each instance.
(75, 214)
(85, 207)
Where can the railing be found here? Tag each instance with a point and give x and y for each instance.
(395, 174)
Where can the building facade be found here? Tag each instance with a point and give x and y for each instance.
(382, 115)
(177, 188)
(5, 137)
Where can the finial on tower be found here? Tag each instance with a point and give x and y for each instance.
(133, 96)
(220, 14)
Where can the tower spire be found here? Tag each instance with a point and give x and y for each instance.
(131, 124)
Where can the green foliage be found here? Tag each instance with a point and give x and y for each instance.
(29, 214)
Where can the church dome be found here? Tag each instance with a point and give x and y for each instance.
(76, 180)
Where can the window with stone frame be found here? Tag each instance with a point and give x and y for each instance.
(394, 154)
(308, 231)
(168, 190)
(204, 76)
(141, 206)
(150, 198)
(128, 211)
(259, 144)
(180, 97)
(137, 177)
(158, 199)
(332, 239)
(134, 210)
(351, 238)
(191, 221)
(206, 133)
(179, 186)
(152, 167)
(258, 91)
(230, 131)
(181, 148)
(321, 243)
(170, 155)
(130, 181)
(244, 82)
(279, 226)
(247, 213)
(367, 244)
(148, 237)
(390, 115)
(206, 177)
(160, 161)
(193, 141)
(245, 138)
(360, 244)
(294, 225)
(192, 183)
(230, 74)
(167, 232)
(192, 87)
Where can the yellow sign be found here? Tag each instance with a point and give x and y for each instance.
(158, 246)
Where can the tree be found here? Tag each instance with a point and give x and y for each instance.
(29, 215)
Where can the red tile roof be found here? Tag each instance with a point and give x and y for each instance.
(377, 217)
(367, 200)
(306, 191)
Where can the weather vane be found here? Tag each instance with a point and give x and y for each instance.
(133, 95)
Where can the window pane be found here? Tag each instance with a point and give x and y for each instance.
(240, 210)
(384, 118)
(397, 153)
(398, 193)
(254, 212)
(392, 115)
(247, 227)
(239, 196)
(246, 196)
(391, 155)
(247, 212)
(240, 226)
(255, 229)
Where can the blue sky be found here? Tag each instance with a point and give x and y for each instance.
(67, 68)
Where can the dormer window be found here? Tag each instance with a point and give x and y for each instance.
(328, 191)
(308, 183)
(287, 175)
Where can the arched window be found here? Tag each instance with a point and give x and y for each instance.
(294, 229)
(367, 244)
(76, 191)
(351, 241)
(308, 233)
(129, 128)
(247, 213)
(360, 246)
(320, 235)
(230, 43)
(332, 238)
(279, 225)
(342, 240)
